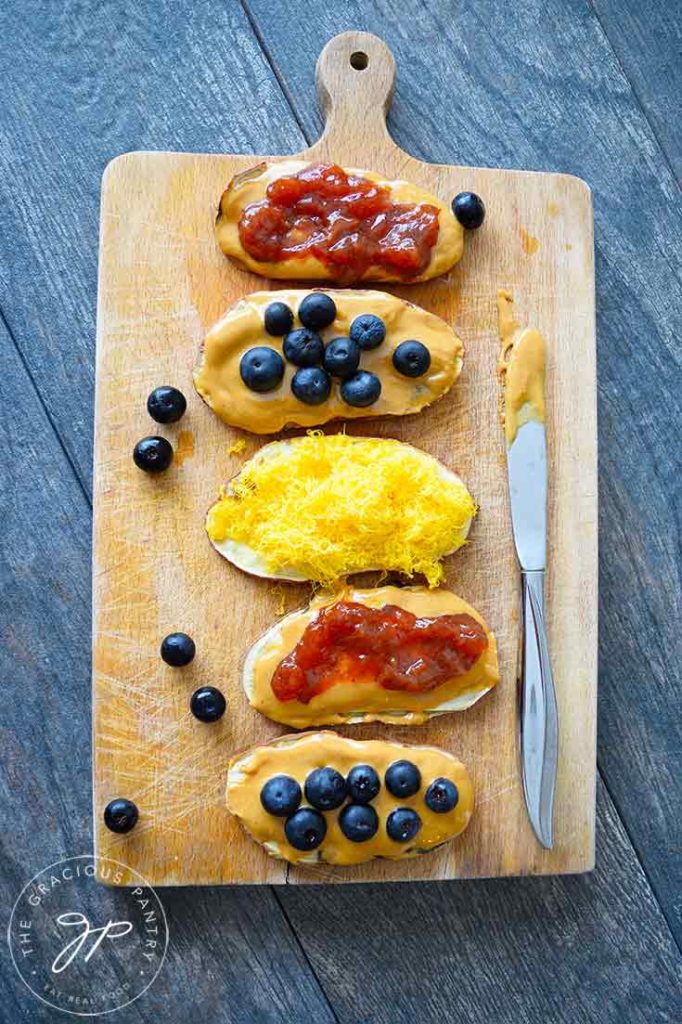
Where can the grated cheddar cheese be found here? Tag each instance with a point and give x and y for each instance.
(329, 506)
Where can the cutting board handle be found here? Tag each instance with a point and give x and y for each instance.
(355, 76)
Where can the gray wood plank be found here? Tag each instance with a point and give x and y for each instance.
(232, 951)
(82, 83)
(536, 85)
(647, 40)
(586, 949)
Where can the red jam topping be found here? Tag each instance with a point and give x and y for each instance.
(349, 642)
(348, 223)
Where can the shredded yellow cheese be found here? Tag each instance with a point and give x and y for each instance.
(236, 447)
(329, 506)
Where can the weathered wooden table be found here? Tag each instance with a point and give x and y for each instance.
(589, 88)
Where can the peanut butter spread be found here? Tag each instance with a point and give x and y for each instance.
(521, 368)
(297, 756)
(250, 187)
(218, 381)
(350, 701)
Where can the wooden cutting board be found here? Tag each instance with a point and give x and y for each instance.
(162, 282)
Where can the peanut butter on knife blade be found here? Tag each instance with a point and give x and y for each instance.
(521, 368)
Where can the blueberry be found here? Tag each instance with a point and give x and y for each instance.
(363, 783)
(325, 788)
(403, 778)
(120, 815)
(341, 357)
(261, 369)
(368, 331)
(441, 796)
(166, 404)
(361, 390)
(358, 822)
(411, 358)
(153, 454)
(317, 310)
(207, 704)
(281, 795)
(469, 209)
(305, 829)
(177, 649)
(278, 319)
(311, 385)
(403, 824)
(303, 347)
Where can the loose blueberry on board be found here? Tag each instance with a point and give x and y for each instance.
(166, 404)
(341, 357)
(368, 331)
(311, 385)
(281, 795)
(361, 390)
(317, 310)
(207, 704)
(441, 796)
(178, 649)
(403, 824)
(358, 822)
(278, 319)
(120, 815)
(303, 347)
(363, 783)
(153, 454)
(261, 369)
(469, 209)
(305, 829)
(325, 789)
(411, 358)
(403, 779)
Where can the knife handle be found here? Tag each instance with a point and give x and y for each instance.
(539, 720)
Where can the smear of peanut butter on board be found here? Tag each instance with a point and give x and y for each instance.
(529, 243)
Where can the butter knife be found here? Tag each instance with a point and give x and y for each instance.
(527, 476)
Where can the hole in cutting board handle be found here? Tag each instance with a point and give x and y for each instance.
(355, 74)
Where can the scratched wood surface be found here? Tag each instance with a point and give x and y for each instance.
(545, 85)
(163, 281)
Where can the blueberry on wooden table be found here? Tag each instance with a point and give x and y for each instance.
(359, 822)
(361, 390)
(325, 789)
(311, 385)
(303, 347)
(411, 359)
(341, 357)
(153, 454)
(166, 404)
(469, 209)
(281, 795)
(178, 649)
(278, 319)
(305, 829)
(207, 704)
(120, 815)
(441, 796)
(403, 779)
(261, 369)
(317, 310)
(363, 783)
(403, 824)
(368, 331)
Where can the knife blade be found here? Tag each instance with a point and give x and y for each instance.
(538, 716)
